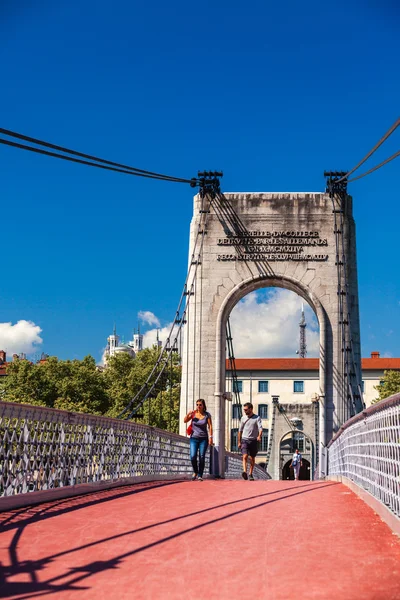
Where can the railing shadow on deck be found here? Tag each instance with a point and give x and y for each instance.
(80, 573)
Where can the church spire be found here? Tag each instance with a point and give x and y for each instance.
(302, 352)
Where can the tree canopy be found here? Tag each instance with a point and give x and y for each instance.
(81, 386)
(389, 385)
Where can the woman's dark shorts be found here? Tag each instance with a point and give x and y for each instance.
(250, 447)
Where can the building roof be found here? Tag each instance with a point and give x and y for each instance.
(307, 364)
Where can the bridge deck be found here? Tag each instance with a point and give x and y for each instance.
(211, 539)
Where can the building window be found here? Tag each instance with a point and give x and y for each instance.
(236, 411)
(363, 387)
(298, 441)
(264, 441)
(237, 386)
(298, 386)
(263, 411)
(263, 387)
(234, 440)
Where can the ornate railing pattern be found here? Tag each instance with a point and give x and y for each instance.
(43, 448)
(366, 449)
(234, 468)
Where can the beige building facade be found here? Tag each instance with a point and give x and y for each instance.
(285, 393)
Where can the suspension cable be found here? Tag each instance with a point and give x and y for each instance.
(170, 393)
(370, 153)
(384, 162)
(340, 267)
(210, 185)
(337, 188)
(185, 295)
(194, 338)
(166, 349)
(232, 366)
(89, 156)
(349, 348)
(201, 312)
(126, 170)
(236, 401)
(187, 357)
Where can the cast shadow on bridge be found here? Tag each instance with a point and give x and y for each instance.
(78, 574)
(29, 514)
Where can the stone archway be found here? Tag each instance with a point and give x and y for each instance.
(235, 295)
(304, 474)
(286, 446)
(268, 240)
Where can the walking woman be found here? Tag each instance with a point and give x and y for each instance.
(200, 437)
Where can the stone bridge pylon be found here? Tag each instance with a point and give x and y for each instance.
(304, 242)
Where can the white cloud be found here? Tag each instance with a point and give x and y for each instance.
(150, 337)
(266, 324)
(24, 336)
(146, 316)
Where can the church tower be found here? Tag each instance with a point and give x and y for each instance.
(113, 341)
(138, 341)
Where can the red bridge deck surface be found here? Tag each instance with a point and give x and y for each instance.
(212, 540)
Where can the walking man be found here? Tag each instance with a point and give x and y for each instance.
(250, 431)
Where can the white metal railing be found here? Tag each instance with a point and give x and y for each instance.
(234, 467)
(366, 449)
(44, 449)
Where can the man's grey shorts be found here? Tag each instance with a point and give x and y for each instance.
(250, 447)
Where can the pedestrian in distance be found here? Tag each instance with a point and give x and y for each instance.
(201, 435)
(296, 463)
(250, 432)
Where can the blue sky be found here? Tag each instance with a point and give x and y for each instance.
(271, 93)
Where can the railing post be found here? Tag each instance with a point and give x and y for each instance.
(219, 436)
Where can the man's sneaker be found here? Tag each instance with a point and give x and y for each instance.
(244, 475)
(194, 477)
(251, 478)
(200, 479)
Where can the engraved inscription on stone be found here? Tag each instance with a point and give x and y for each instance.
(273, 246)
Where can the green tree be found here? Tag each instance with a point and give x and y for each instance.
(118, 381)
(125, 376)
(26, 383)
(75, 385)
(163, 411)
(389, 385)
(81, 387)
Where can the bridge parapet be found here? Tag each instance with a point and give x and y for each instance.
(366, 450)
(47, 453)
(44, 449)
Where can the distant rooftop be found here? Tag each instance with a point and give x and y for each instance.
(375, 362)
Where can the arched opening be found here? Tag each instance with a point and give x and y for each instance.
(289, 442)
(304, 473)
(261, 383)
